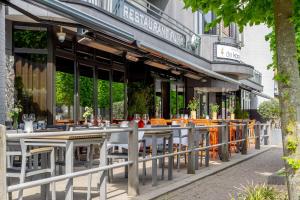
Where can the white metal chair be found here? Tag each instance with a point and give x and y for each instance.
(120, 140)
(27, 171)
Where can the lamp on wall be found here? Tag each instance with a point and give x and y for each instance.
(192, 76)
(157, 65)
(61, 35)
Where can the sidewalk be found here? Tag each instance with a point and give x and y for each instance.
(221, 184)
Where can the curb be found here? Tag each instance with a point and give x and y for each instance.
(171, 187)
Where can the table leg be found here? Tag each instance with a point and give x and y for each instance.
(103, 174)
(154, 161)
(170, 159)
(163, 160)
(69, 169)
(179, 149)
(196, 144)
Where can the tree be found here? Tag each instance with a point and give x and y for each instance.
(269, 110)
(284, 16)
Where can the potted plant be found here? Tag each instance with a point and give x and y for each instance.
(214, 109)
(14, 114)
(88, 111)
(231, 111)
(192, 106)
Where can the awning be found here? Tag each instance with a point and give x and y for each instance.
(185, 62)
(261, 94)
(87, 20)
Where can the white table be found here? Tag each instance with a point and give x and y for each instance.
(69, 142)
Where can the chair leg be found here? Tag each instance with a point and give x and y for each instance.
(23, 168)
(126, 169)
(8, 184)
(52, 165)
(144, 164)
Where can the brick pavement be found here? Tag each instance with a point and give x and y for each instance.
(220, 185)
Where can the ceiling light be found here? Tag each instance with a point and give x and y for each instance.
(204, 80)
(176, 72)
(132, 57)
(157, 65)
(192, 76)
(61, 35)
(94, 44)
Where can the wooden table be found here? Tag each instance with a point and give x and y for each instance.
(69, 142)
(161, 134)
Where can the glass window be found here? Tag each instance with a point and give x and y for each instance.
(118, 96)
(103, 94)
(86, 89)
(208, 18)
(31, 83)
(64, 88)
(158, 99)
(34, 39)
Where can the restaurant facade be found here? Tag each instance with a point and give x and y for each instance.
(122, 57)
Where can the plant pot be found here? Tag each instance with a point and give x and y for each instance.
(214, 115)
(232, 116)
(193, 114)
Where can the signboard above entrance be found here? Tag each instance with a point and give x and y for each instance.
(140, 18)
(228, 52)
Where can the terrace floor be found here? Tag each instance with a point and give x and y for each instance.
(117, 189)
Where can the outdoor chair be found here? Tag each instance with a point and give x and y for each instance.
(25, 170)
(117, 148)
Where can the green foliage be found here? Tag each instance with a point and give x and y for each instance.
(292, 145)
(269, 110)
(140, 98)
(193, 104)
(88, 111)
(64, 84)
(292, 162)
(214, 108)
(239, 113)
(259, 192)
(30, 39)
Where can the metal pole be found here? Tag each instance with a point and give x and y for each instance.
(133, 169)
(224, 154)
(191, 155)
(257, 135)
(245, 137)
(3, 183)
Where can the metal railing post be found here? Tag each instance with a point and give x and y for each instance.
(3, 183)
(257, 135)
(245, 137)
(268, 135)
(133, 169)
(224, 153)
(191, 155)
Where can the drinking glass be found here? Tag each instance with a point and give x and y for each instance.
(99, 119)
(32, 117)
(137, 117)
(145, 118)
(25, 117)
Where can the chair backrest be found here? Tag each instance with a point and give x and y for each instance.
(122, 137)
(158, 122)
(201, 122)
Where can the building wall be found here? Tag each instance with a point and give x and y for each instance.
(2, 66)
(256, 52)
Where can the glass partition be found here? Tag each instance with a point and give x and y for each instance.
(86, 89)
(64, 89)
(103, 98)
(118, 96)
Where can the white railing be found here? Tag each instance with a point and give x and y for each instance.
(133, 159)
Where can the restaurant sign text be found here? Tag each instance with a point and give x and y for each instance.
(140, 18)
(228, 52)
